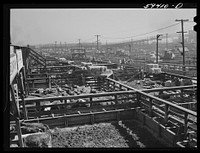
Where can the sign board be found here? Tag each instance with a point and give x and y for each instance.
(19, 59)
(13, 67)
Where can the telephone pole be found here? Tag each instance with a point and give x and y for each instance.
(55, 45)
(166, 40)
(157, 36)
(65, 46)
(97, 41)
(79, 44)
(182, 32)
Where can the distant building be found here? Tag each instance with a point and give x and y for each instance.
(192, 36)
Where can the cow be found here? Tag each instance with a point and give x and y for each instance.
(33, 127)
(38, 140)
(80, 103)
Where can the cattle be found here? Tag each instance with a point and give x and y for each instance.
(38, 140)
(79, 103)
(56, 102)
(33, 127)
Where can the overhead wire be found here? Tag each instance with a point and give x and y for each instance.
(140, 34)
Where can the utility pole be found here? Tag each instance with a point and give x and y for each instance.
(166, 40)
(106, 47)
(79, 44)
(182, 32)
(60, 45)
(97, 41)
(65, 46)
(157, 36)
(55, 45)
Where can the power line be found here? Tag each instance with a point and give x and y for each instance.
(142, 34)
(79, 44)
(88, 39)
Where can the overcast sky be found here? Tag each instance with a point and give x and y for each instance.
(40, 26)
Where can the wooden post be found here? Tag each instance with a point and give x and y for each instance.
(113, 88)
(14, 102)
(116, 101)
(66, 122)
(19, 132)
(38, 109)
(150, 108)
(138, 99)
(28, 87)
(22, 95)
(92, 117)
(182, 95)
(49, 79)
(120, 87)
(166, 114)
(91, 103)
(24, 108)
(25, 80)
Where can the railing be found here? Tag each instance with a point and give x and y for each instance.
(167, 74)
(190, 70)
(166, 111)
(37, 57)
(35, 106)
(170, 115)
(48, 80)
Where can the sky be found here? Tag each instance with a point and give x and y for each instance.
(42, 26)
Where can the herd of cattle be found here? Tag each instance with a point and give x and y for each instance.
(67, 90)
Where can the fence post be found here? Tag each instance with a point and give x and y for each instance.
(182, 95)
(91, 103)
(21, 144)
(166, 114)
(38, 108)
(113, 88)
(25, 80)
(108, 84)
(150, 108)
(138, 99)
(116, 101)
(33, 85)
(92, 117)
(120, 87)
(49, 79)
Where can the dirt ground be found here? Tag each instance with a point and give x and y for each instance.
(104, 135)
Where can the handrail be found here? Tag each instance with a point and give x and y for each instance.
(176, 64)
(29, 100)
(38, 59)
(169, 88)
(110, 94)
(36, 53)
(156, 98)
(178, 75)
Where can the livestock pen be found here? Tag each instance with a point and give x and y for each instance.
(107, 101)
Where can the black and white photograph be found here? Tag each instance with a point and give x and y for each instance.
(103, 77)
